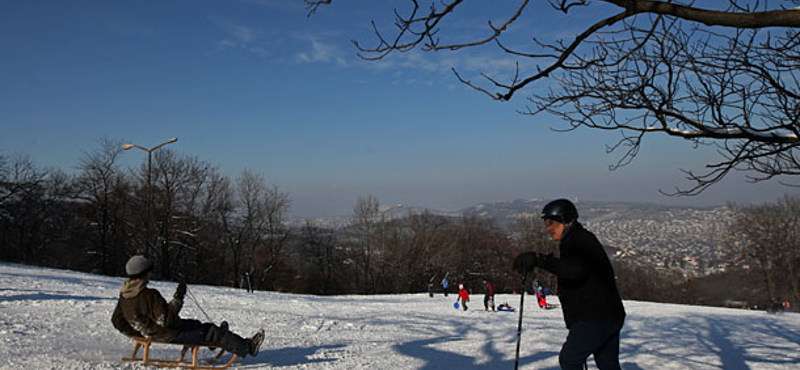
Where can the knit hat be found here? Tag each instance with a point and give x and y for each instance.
(137, 266)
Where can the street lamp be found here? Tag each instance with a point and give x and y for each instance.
(383, 222)
(383, 228)
(149, 176)
(383, 213)
(149, 154)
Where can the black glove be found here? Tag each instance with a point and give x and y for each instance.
(180, 292)
(525, 262)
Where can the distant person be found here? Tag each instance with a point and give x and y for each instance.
(445, 285)
(542, 302)
(463, 295)
(540, 297)
(248, 275)
(587, 289)
(488, 295)
(776, 307)
(430, 290)
(143, 312)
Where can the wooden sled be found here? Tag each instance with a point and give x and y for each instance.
(180, 362)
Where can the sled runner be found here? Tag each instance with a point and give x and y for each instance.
(180, 362)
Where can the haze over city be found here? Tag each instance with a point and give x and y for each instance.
(259, 85)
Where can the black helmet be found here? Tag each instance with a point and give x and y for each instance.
(560, 210)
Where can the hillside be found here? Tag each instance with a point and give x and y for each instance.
(57, 319)
(689, 239)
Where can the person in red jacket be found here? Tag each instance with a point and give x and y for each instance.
(463, 295)
(540, 294)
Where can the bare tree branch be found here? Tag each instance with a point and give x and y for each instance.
(726, 76)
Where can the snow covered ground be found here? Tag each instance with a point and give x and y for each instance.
(55, 319)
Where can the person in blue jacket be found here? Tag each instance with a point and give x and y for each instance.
(587, 289)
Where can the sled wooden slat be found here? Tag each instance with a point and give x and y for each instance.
(180, 362)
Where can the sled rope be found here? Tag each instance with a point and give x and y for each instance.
(191, 297)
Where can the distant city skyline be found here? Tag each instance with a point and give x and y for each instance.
(249, 84)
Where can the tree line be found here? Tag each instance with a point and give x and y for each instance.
(203, 227)
(767, 239)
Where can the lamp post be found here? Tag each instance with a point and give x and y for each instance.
(383, 213)
(383, 222)
(149, 176)
(383, 232)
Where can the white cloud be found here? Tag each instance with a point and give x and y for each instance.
(318, 51)
(241, 34)
(278, 4)
(240, 37)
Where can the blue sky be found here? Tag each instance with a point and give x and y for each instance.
(258, 85)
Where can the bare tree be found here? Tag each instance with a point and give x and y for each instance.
(724, 73)
(323, 262)
(18, 175)
(209, 262)
(364, 238)
(232, 230)
(485, 251)
(240, 216)
(33, 214)
(257, 233)
(759, 228)
(529, 235)
(195, 212)
(22, 206)
(176, 182)
(786, 239)
(102, 186)
(275, 234)
(419, 254)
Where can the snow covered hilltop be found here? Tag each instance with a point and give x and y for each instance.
(58, 319)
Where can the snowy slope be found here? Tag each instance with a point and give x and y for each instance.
(55, 319)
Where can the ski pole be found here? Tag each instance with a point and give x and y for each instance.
(519, 325)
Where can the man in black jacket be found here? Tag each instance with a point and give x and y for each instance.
(587, 289)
